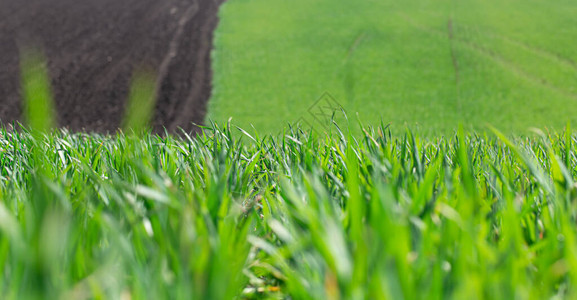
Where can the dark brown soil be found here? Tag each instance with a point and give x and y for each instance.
(93, 47)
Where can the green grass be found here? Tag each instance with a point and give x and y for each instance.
(394, 61)
(375, 214)
(221, 217)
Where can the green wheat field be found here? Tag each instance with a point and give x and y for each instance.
(425, 64)
(292, 216)
(441, 187)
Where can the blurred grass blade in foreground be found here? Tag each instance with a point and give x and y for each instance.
(36, 91)
(140, 102)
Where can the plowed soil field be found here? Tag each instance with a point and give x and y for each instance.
(92, 49)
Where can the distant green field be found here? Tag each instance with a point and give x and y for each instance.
(427, 64)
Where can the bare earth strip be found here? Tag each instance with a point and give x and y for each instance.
(93, 47)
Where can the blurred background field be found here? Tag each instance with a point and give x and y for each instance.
(427, 64)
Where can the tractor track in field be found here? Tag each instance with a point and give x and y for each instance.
(455, 62)
(93, 48)
(495, 58)
(551, 56)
